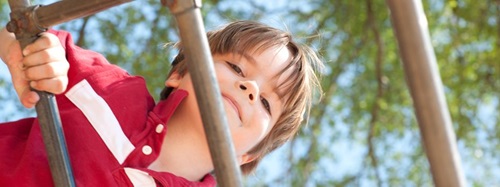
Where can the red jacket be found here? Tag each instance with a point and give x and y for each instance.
(113, 130)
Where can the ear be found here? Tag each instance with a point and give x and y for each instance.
(246, 158)
(173, 80)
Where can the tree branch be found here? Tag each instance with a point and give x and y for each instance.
(81, 32)
(380, 89)
(498, 23)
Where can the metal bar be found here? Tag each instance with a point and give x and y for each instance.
(426, 88)
(63, 11)
(46, 108)
(199, 58)
(26, 23)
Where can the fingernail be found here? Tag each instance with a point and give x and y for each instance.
(33, 84)
(25, 52)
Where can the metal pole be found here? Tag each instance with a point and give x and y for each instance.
(67, 10)
(199, 58)
(48, 114)
(26, 24)
(422, 75)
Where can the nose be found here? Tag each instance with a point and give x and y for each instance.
(251, 89)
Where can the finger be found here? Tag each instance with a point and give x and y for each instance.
(29, 98)
(45, 40)
(46, 71)
(55, 85)
(44, 56)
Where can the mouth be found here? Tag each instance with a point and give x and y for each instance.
(233, 103)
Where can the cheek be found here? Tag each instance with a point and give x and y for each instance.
(263, 127)
(223, 73)
(249, 135)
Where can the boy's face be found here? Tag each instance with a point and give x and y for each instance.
(249, 87)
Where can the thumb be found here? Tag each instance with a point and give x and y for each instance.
(29, 98)
(14, 55)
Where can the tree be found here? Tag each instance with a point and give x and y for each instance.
(363, 132)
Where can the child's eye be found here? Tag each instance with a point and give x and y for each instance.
(266, 105)
(235, 68)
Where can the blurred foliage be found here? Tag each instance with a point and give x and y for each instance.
(363, 132)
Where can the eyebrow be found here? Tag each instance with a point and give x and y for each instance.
(248, 57)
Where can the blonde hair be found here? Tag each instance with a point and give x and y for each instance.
(240, 36)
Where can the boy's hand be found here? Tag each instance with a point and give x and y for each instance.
(44, 67)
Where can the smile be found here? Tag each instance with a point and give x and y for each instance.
(233, 103)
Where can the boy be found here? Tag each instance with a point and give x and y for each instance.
(117, 135)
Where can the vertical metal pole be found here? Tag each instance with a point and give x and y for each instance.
(26, 24)
(422, 75)
(199, 58)
(48, 114)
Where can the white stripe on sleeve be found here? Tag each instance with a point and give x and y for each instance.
(139, 178)
(102, 119)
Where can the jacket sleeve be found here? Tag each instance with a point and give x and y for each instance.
(83, 63)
